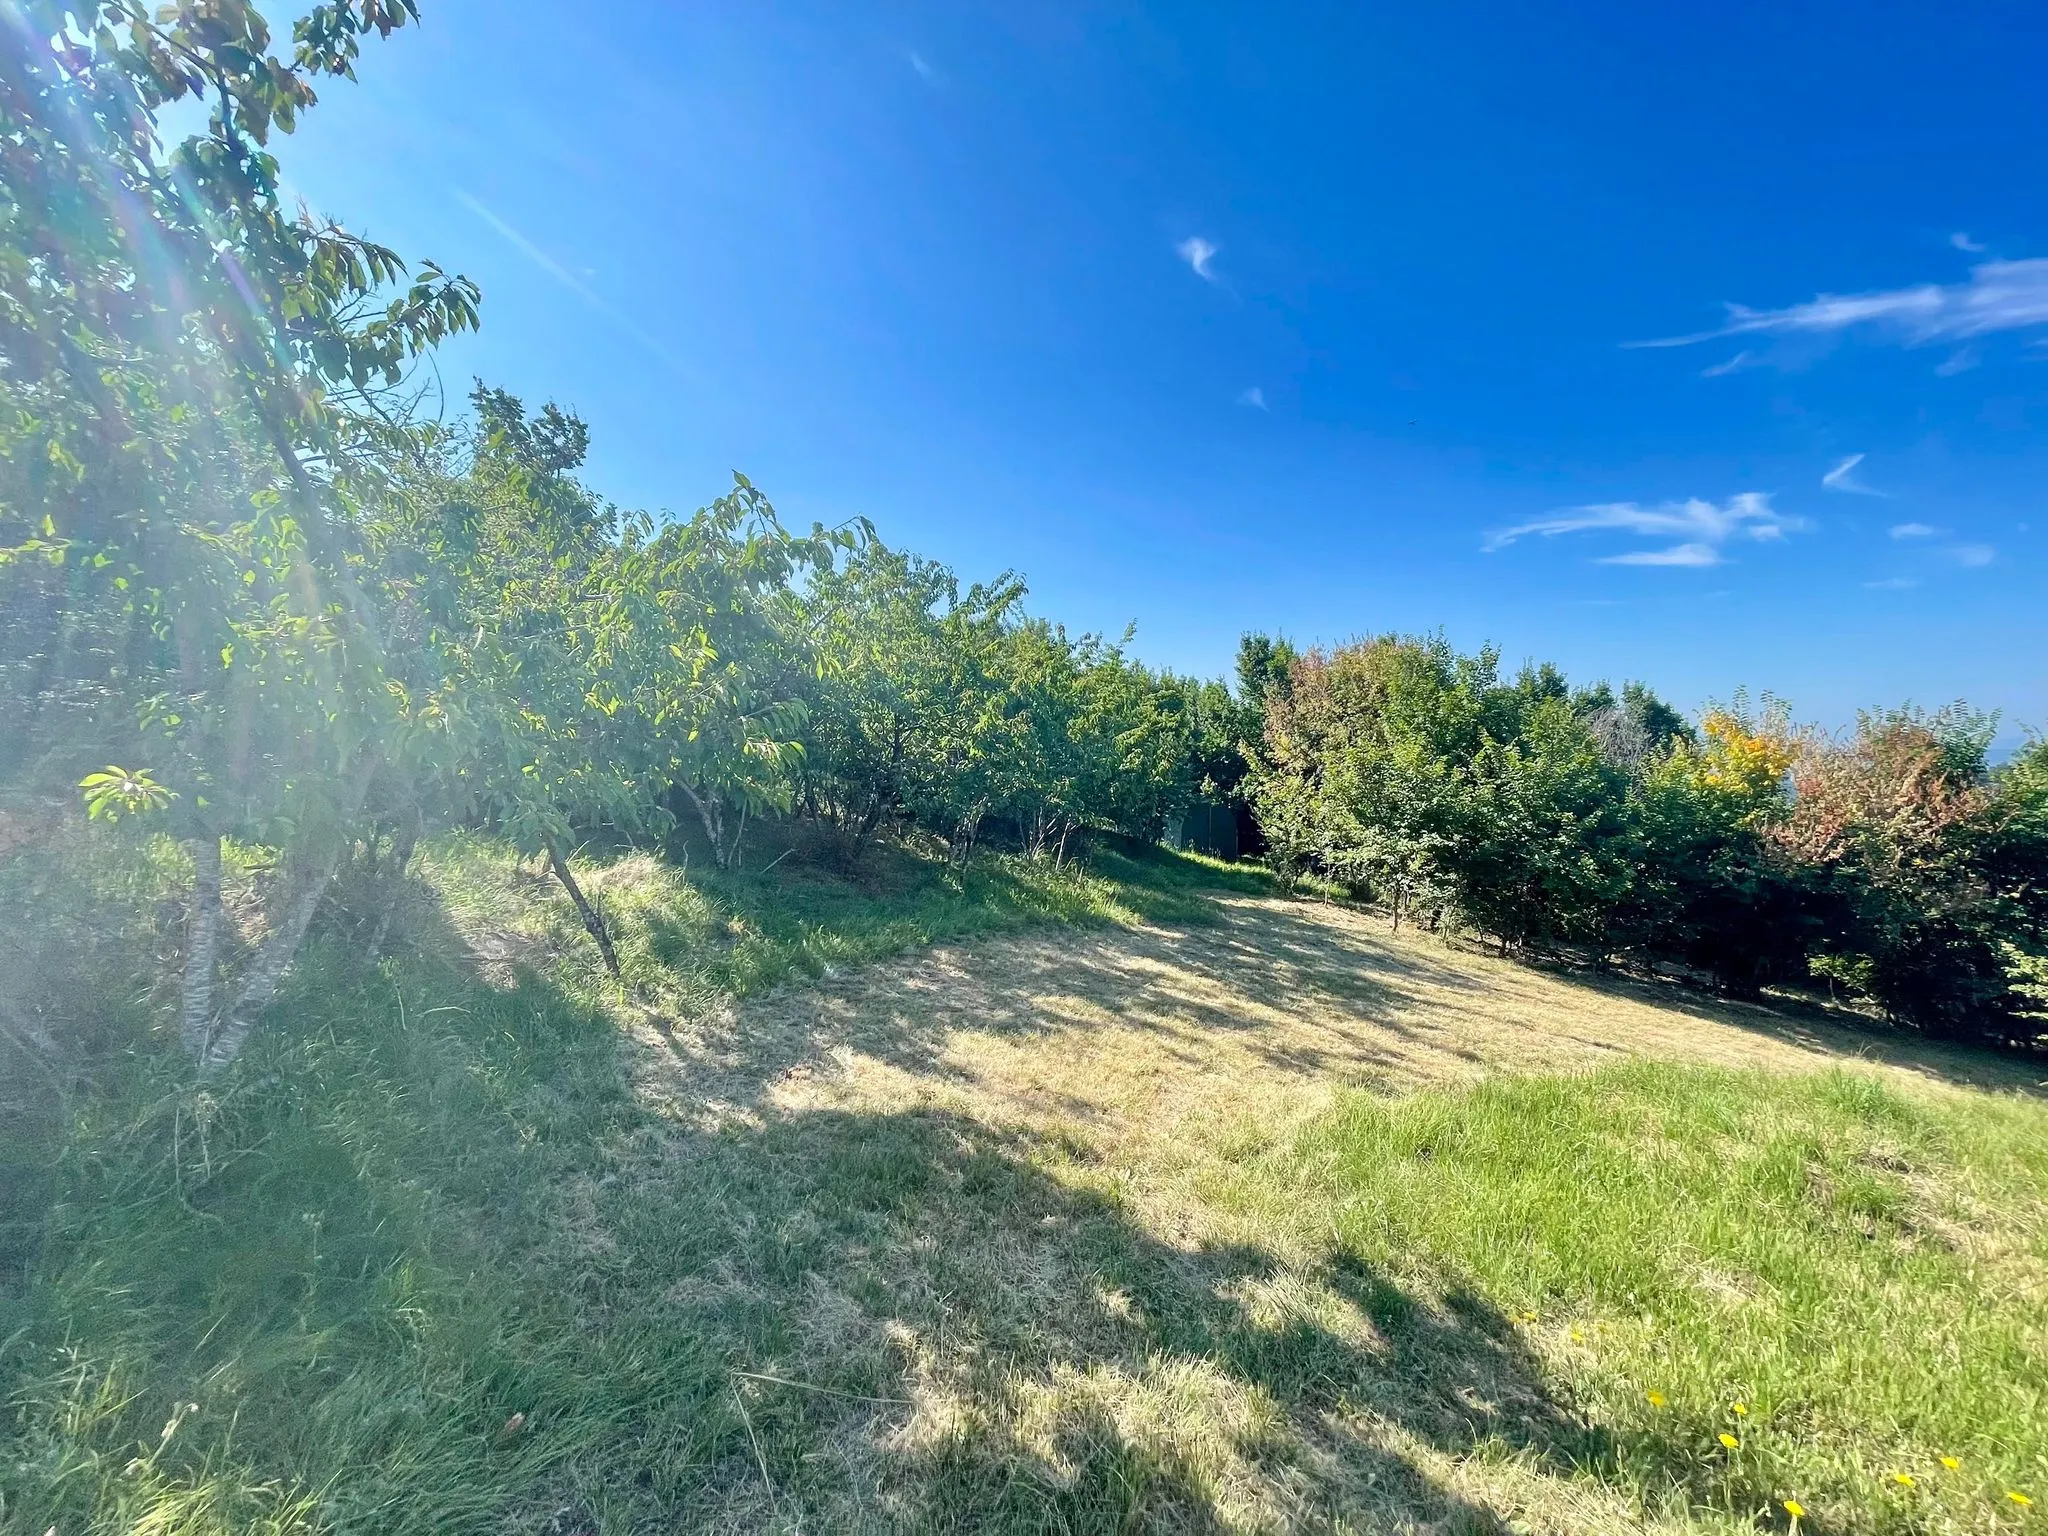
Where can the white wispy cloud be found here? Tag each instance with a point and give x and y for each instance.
(1843, 478)
(921, 64)
(1199, 254)
(1677, 554)
(1961, 241)
(532, 252)
(1739, 361)
(1997, 296)
(1702, 529)
(1254, 397)
(1969, 557)
(1893, 584)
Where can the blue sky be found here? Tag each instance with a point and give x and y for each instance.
(1707, 345)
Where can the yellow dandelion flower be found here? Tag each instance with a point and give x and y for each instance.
(1730, 1441)
(1903, 1479)
(1656, 1399)
(2019, 1498)
(1578, 1337)
(1950, 1462)
(1795, 1509)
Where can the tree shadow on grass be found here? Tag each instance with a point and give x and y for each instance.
(1307, 1000)
(440, 1261)
(944, 1327)
(934, 1325)
(912, 1320)
(1833, 1033)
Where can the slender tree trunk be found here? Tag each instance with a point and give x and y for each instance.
(402, 844)
(202, 948)
(870, 820)
(267, 971)
(714, 823)
(970, 832)
(593, 922)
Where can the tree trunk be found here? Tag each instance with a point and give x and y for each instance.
(202, 947)
(267, 971)
(871, 819)
(274, 959)
(592, 921)
(714, 822)
(402, 844)
(968, 833)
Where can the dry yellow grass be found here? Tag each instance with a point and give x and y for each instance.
(1133, 1069)
(1161, 1033)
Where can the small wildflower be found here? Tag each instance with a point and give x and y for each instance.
(1738, 1409)
(1730, 1441)
(1950, 1462)
(1656, 1399)
(1578, 1337)
(2019, 1498)
(1795, 1509)
(1903, 1479)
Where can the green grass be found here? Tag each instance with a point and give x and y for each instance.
(1867, 1274)
(314, 1296)
(689, 934)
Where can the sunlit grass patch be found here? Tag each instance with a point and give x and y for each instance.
(1747, 1287)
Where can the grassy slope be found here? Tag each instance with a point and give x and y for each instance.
(434, 1200)
(1861, 1271)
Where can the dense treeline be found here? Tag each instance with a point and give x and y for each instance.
(251, 591)
(1892, 863)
